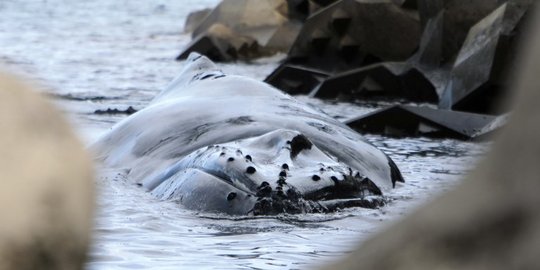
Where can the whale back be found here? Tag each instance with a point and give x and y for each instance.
(203, 107)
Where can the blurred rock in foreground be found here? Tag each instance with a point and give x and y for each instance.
(46, 186)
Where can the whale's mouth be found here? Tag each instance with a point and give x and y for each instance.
(278, 172)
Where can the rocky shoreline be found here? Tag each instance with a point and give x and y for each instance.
(457, 57)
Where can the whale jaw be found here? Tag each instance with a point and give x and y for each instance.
(279, 172)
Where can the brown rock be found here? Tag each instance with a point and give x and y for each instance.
(256, 28)
(46, 186)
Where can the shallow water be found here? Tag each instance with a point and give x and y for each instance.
(103, 54)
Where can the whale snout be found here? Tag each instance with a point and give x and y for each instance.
(281, 171)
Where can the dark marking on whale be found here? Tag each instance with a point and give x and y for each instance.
(250, 170)
(299, 143)
(231, 196)
(242, 120)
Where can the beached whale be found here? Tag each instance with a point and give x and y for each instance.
(231, 144)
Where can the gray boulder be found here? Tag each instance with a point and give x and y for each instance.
(479, 71)
(490, 221)
(353, 33)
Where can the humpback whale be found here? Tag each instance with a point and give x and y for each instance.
(230, 144)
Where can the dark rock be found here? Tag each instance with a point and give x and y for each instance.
(353, 33)
(408, 4)
(383, 80)
(430, 51)
(428, 9)
(295, 79)
(128, 111)
(458, 18)
(401, 121)
(479, 72)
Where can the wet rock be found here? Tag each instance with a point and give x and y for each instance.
(46, 185)
(411, 121)
(479, 72)
(247, 29)
(295, 79)
(430, 52)
(355, 33)
(458, 19)
(383, 80)
(128, 111)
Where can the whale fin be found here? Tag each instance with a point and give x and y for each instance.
(197, 68)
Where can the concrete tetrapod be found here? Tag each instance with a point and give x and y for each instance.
(490, 221)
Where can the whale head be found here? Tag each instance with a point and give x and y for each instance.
(231, 144)
(279, 172)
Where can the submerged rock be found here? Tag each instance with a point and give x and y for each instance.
(128, 111)
(410, 121)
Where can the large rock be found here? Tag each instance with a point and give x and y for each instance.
(458, 18)
(491, 221)
(46, 186)
(430, 51)
(295, 80)
(220, 43)
(383, 81)
(353, 33)
(480, 70)
(412, 121)
(242, 23)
